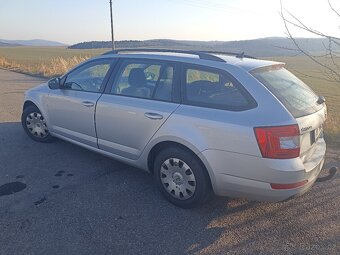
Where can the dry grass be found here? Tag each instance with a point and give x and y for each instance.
(44, 61)
(56, 66)
(332, 129)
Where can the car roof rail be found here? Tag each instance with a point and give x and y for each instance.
(238, 55)
(200, 54)
(206, 55)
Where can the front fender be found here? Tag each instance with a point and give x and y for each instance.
(39, 97)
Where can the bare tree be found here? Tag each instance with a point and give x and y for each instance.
(330, 60)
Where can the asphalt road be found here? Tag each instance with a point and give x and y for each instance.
(79, 202)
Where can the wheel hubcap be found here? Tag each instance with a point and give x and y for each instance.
(36, 125)
(178, 179)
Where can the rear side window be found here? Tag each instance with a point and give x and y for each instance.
(215, 89)
(296, 96)
(145, 79)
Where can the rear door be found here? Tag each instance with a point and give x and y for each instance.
(141, 97)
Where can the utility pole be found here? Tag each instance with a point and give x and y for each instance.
(112, 35)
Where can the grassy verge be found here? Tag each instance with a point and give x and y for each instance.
(54, 61)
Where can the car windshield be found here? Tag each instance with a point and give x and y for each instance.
(295, 95)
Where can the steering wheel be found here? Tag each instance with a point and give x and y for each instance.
(97, 82)
(79, 86)
(70, 84)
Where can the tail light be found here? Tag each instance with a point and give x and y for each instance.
(281, 142)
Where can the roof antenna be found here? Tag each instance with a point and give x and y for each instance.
(241, 55)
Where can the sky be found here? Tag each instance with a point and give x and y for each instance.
(73, 21)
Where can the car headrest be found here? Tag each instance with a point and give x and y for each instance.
(137, 78)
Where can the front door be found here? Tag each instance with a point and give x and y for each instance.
(71, 109)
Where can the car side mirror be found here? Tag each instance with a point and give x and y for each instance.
(54, 83)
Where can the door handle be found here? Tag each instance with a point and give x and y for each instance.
(88, 103)
(153, 116)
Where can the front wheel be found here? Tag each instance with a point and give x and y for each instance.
(35, 125)
(181, 177)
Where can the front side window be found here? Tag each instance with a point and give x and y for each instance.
(89, 77)
(212, 89)
(145, 79)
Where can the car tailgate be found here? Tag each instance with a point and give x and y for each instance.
(311, 129)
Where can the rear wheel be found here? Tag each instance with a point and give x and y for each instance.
(35, 125)
(181, 177)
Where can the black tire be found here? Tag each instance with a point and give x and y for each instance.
(27, 111)
(203, 187)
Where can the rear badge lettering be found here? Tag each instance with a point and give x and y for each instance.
(306, 128)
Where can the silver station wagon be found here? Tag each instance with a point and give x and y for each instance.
(200, 122)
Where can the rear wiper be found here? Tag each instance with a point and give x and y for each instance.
(321, 100)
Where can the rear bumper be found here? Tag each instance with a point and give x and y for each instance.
(236, 175)
(233, 186)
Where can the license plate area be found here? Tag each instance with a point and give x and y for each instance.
(315, 134)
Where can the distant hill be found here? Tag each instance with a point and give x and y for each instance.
(129, 44)
(2, 44)
(275, 46)
(263, 47)
(34, 42)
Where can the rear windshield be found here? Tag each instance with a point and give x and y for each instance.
(296, 96)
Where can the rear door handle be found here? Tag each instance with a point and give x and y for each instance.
(153, 116)
(88, 103)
